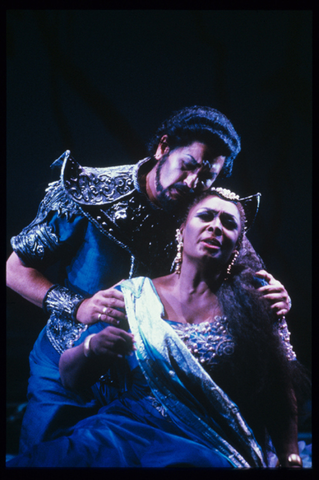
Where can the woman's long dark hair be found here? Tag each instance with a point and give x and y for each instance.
(258, 378)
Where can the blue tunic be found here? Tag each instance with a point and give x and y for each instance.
(89, 262)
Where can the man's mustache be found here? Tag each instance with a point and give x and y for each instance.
(182, 189)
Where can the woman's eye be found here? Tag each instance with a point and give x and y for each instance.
(230, 224)
(207, 217)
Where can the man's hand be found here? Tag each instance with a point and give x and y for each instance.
(103, 306)
(276, 293)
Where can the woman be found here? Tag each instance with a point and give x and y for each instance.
(199, 376)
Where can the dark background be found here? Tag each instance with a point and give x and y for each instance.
(99, 82)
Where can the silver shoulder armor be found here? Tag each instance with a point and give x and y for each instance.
(96, 186)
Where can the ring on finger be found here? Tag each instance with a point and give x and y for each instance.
(104, 310)
(99, 316)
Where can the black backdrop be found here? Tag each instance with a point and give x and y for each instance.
(99, 82)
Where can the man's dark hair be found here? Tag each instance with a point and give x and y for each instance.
(204, 124)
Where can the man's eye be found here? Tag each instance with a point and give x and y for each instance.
(189, 166)
(205, 176)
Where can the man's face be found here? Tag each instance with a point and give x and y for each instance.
(182, 173)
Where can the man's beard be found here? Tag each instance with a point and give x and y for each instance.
(164, 196)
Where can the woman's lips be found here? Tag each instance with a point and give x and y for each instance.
(211, 243)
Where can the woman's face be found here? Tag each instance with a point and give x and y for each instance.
(212, 229)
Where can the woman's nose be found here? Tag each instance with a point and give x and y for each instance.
(215, 225)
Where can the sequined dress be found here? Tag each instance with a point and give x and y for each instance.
(207, 341)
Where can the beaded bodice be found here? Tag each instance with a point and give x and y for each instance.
(207, 341)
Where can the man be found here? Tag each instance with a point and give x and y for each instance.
(103, 225)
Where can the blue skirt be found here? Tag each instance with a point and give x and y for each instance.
(98, 428)
(51, 407)
(129, 432)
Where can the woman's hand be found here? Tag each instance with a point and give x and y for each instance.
(276, 293)
(109, 345)
(283, 462)
(103, 306)
(112, 342)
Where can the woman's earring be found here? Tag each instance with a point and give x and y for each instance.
(178, 258)
(235, 253)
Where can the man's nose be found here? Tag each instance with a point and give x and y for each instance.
(191, 181)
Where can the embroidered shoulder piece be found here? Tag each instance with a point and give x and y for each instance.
(96, 186)
(207, 341)
(37, 242)
(111, 199)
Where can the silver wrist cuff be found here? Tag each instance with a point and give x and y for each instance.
(62, 301)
